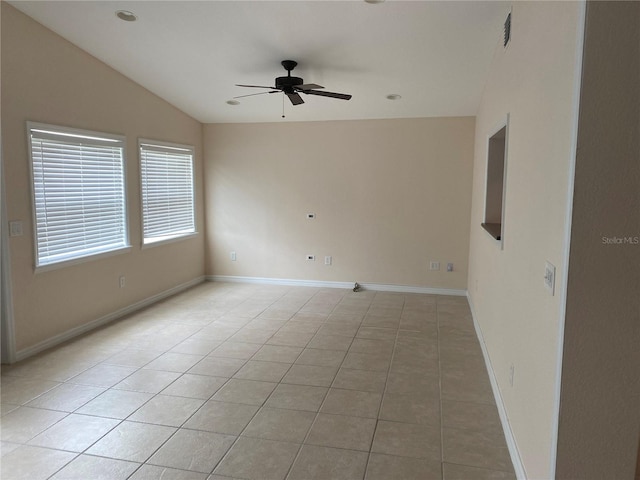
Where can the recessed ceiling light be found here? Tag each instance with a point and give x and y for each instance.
(126, 16)
(233, 102)
(374, 1)
(394, 96)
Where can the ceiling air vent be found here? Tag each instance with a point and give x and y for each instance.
(507, 29)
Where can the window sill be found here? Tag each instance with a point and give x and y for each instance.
(494, 229)
(75, 261)
(169, 240)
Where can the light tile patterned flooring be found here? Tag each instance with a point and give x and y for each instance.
(238, 381)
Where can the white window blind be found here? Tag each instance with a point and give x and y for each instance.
(167, 191)
(78, 193)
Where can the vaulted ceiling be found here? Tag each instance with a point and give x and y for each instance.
(435, 55)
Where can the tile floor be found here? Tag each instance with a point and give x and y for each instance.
(237, 381)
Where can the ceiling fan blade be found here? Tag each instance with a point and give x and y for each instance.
(254, 86)
(308, 86)
(341, 96)
(261, 93)
(295, 98)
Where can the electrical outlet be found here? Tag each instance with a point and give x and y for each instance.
(233, 256)
(122, 281)
(311, 258)
(512, 372)
(434, 265)
(328, 260)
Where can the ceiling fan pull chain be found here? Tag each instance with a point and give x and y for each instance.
(282, 104)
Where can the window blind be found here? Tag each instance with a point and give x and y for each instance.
(167, 191)
(78, 192)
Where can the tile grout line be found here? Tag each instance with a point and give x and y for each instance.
(384, 390)
(440, 391)
(324, 397)
(262, 406)
(226, 453)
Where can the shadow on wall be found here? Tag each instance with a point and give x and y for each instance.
(638, 463)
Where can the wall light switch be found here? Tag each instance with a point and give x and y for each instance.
(550, 277)
(434, 265)
(15, 228)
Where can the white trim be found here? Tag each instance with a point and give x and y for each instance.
(8, 332)
(177, 147)
(278, 281)
(108, 139)
(379, 287)
(174, 239)
(62, 130)
(504, 181)
(566, 247)
(180, 147)
(502, 411)
(79, 330)
(87, 258)
(8, 346)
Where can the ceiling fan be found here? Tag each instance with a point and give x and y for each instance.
(291, 86)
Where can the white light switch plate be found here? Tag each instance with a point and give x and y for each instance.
(550, 277)
(15, 228)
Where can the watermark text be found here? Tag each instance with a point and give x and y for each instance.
(628, 240)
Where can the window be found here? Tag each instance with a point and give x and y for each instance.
(78, 193)
(167, 191)
(495, 191)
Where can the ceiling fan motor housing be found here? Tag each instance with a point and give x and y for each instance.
(287, 83)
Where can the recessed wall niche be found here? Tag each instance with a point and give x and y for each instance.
(495, 187)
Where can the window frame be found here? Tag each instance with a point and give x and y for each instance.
(160, 144)
(76, 132)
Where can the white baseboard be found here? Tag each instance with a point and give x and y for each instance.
(502, 411)
(79, 330)
(379, 287)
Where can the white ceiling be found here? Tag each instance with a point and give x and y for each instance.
(436, 55)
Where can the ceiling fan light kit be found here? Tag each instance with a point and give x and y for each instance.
(293, 86)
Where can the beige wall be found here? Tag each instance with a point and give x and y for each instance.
(47, 79)
(389, 196)
(533, 80)
(600, 402)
